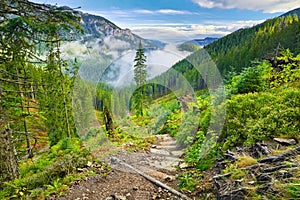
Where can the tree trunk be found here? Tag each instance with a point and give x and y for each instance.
(8, 162)
(29, 150)
(108, 123)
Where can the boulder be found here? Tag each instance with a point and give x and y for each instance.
(283, 174)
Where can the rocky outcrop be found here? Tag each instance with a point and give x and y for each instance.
(99, 27)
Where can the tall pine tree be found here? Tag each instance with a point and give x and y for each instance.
(140, 74)
(27, 31)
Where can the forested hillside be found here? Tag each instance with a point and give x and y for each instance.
(240, 49)
(236, 51)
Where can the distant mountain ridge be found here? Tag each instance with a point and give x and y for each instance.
(99, 27)
(295, 11)
(202, 42)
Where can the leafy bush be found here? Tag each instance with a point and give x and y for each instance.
(255, 117)
(189, 180)
(188, 128)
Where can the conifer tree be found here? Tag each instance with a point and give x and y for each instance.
(140, 74)
(24, 27)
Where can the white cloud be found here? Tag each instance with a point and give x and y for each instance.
(182, 32)
(174, 12)
(144, 11)
(267, 6)
(158, 61)
(134, 12)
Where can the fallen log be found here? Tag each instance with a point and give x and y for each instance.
(156, 182)
(281, 157)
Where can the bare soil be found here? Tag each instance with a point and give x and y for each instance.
(122, 183)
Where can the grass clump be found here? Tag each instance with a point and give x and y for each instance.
(245, 161)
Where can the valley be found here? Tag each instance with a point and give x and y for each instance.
(90, 110)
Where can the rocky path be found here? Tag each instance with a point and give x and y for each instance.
(123, 183)
(162, 157)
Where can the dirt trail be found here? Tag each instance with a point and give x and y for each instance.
(164, 156)
(124, 184)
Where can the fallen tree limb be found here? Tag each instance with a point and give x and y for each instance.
(156, 182)
(281, 157)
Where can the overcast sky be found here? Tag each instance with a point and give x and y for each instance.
(181, 20)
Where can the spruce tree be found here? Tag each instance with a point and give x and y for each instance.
(27, 31)
(140, 74)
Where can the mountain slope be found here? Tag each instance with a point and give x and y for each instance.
(295, 11)
(102, 43)
(237, 50)
(99, 27)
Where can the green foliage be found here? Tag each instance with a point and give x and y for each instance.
(189, 47)
(140, 75)
(202, 160)
(103, 97)
(260, 116)
(260, 107)
(236, 51)
(188, 128)
(91, 133)
(267, 108)
(166, 116)
(189, 180)
(57, 104)
(133, 141)
(293, 190)
(241, 47)
(36, 82)
(249, 80)
(48, 173)
(289, 68)
(82, 103)
(236, 172)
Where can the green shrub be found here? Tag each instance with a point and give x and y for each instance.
(261, 116)
(188, 128)
(62, 160)
(189, 180)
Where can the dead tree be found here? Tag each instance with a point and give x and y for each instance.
(109, 126)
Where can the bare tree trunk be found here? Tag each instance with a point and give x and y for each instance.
(64, 96)
(66, 112)
(8, 162)
(108, 123)
(29, 149)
